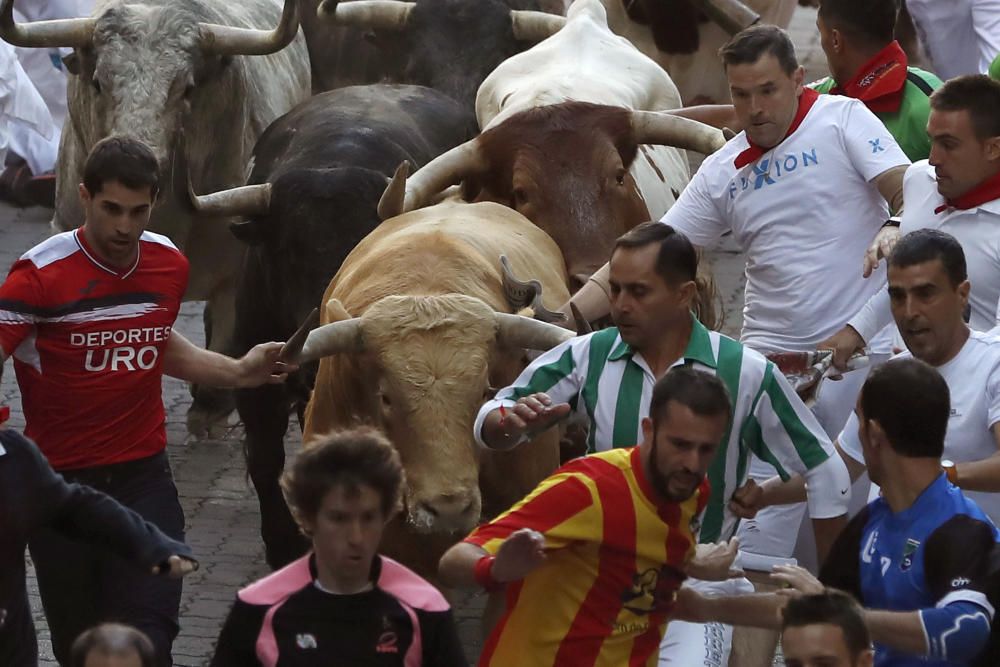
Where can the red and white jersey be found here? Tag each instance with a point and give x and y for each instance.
(88, 344)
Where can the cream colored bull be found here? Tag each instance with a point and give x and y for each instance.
(416, 329)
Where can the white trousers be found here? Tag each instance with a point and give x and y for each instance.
(702, 644)
(960, 36)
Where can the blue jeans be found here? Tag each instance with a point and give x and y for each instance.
(82, 586)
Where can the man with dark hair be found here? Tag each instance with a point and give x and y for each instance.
(343, 603)
(868, 64)
(921, 557)
(592, 558)
(88, 317)
(825, 630)
(607, 379)
(112, 645)
(929, 292)
(957, 191)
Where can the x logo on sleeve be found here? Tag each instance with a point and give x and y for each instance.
(875, 145)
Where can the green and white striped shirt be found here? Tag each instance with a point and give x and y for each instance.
(611, 386)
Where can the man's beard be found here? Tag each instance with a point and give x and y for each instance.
(661, 482)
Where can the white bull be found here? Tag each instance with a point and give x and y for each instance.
(151, 69)
(585, 61)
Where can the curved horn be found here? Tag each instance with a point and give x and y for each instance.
(535, 26)
(444, 170)
(651, 127)
(331, 339)
(72, 33)
(731, 15)
(223, 40)
(520, 331)
(371, 14)
(248, 200)
(391, 203)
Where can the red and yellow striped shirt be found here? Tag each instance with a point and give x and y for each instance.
(603, 595)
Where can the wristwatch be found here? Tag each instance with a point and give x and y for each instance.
(894, 221)
(950, 470)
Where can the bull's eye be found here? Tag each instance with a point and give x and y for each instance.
(520, 197)
(620, 177)
(386, 401)
(96, 84)
(188, 91)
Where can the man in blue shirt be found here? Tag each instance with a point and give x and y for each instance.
(922, 558)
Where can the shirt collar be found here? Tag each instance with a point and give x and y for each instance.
(81, 241)
(699, 347)
(880, 82)
(752, 154)
(926, 501)
(987, 191)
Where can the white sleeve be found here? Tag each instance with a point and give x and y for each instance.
(696, 214)
(874, 316)
(869, 145)
(986, 23)
(993, 396)
(849, 441)
(828, 489)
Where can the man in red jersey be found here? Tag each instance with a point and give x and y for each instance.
(88, 317)
(592, 559)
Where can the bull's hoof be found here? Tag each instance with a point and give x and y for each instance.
(208, 417)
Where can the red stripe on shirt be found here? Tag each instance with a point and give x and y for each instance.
(591, 626)
(490, 646)
(561, 501)
(648, 642)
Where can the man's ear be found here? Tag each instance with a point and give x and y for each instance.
(647, 429)
(992, 148)
(84, 194)
(688, 292)
(876, 434)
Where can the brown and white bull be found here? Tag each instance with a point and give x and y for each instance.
(151, 68)
(416, 329)
(585, 170)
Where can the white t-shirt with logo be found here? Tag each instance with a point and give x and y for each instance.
(973, 378)
(804, 213)
(978, 231)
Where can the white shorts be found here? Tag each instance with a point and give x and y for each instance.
(702, 644)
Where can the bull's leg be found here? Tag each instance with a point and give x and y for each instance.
(212, 405)
(264, 411)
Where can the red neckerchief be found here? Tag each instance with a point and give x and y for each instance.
(986, 191)
(752, 154)
(880, 82)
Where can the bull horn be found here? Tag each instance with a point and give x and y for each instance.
(293, 346)
(391, 203)
(331, 339)
(70, 33)
(582, 324)
(224, 40)
(731, 15)
(535, 26)
(651, 127)
(247, 201)
(370, 14)
(531, 334)
(446, 169)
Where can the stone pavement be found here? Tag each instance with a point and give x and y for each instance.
(221, 509)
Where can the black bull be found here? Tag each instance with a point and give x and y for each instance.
(327, 162)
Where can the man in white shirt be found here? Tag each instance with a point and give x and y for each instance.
(957, 191)
(929, 290)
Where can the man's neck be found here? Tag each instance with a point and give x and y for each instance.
(853, 61)
(95, 248)
(331, 583)
(958, 342)
(668, 348)
(910, 478)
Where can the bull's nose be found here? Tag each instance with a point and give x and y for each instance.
(448, 511)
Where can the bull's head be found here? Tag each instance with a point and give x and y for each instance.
(423, 365)
(565, 167)
(448, 45)
(141, 67)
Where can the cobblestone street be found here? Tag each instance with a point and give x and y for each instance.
(218, 500)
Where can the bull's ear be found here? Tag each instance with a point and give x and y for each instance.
(72, 62)
(251, 232)
(471, 188)
(335, 311)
